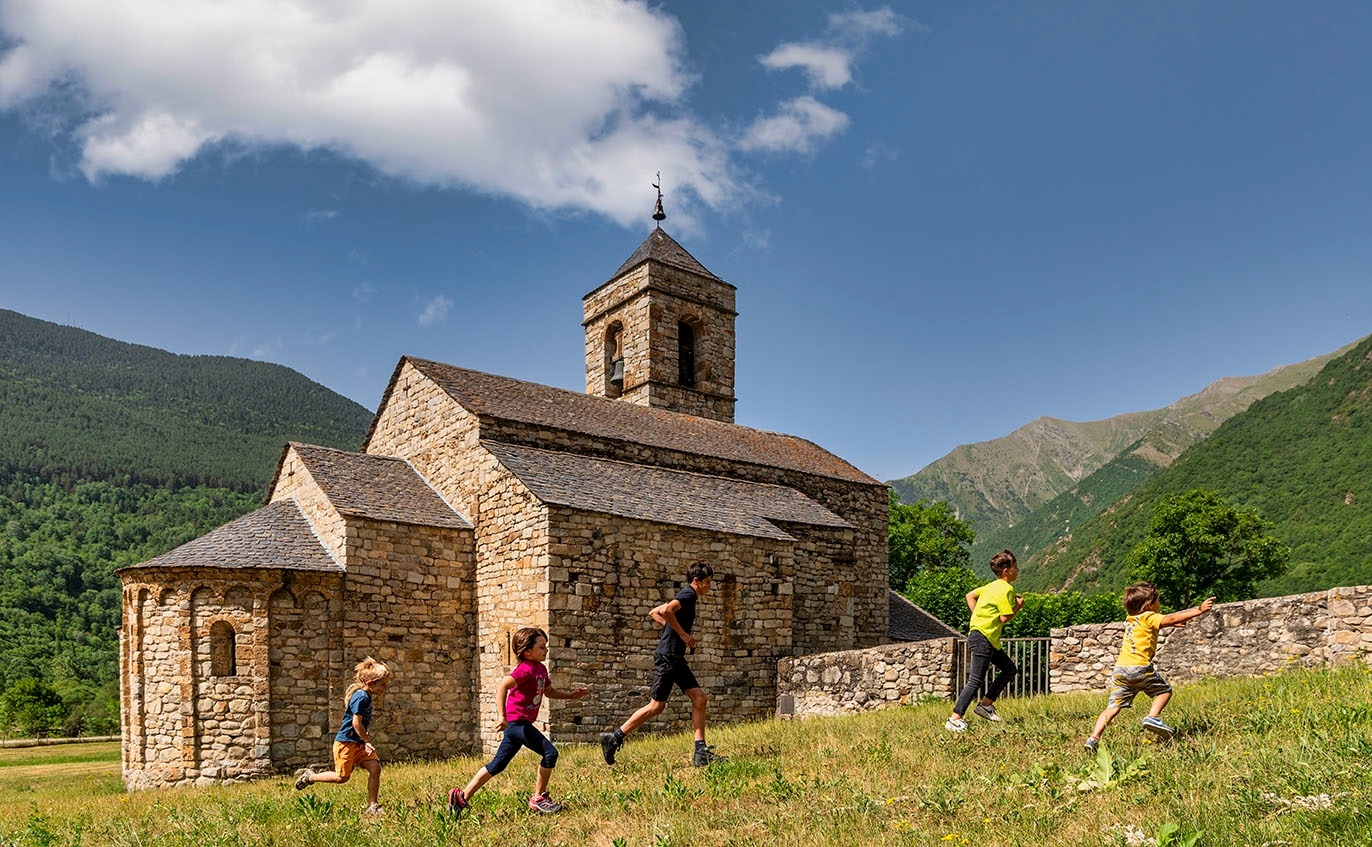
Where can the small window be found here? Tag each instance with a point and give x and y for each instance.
(686, 355)
(614, 360)
(223, 649)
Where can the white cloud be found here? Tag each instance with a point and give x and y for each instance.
(435, 311)
(797, 127)
(364, 291)
(826, 67)
(828, 61)
(800, 124)
(556, 103)
(318, 216)
(864, 25)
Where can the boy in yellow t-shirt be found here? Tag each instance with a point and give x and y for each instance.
(992, 606)
(1134, 671)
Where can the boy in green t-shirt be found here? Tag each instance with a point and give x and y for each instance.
(1134, 670)
(992, 606)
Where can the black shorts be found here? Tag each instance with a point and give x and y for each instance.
(671, 670)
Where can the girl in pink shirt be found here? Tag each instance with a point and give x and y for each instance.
(520, 696)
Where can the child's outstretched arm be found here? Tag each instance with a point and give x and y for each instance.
(559, 694)
(1180, 618)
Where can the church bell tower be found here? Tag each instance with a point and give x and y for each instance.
(660, 332)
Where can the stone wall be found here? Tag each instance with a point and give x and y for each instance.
(191, 713)
(306, 667)
(864, 680)
(606, 575)
(512, 582)
(409, 600)
(1236, 639)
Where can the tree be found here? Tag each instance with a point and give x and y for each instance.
(925, 536)
(942, 592)
(1198, 545)
(32, 707)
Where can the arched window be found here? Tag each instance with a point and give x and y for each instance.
(686, 354)
(223, 649)
(614, 360)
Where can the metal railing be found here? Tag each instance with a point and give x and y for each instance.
(1030, 655)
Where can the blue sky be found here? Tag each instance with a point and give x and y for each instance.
(944, 219)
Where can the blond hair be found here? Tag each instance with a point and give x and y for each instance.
(368, 670)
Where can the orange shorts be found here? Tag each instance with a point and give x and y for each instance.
(348, 754)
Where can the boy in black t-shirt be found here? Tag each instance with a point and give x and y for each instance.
(677, 617)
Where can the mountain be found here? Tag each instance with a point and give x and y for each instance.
(110, 454)
(1300, 457)
(1022, 490)
(81, 406)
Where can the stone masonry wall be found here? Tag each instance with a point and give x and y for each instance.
(408, 600)
(185, 719)
(864, 680)
(606, 573)
(306, 617)
(825, 590)
(512, 583)
(863, 505)
(1251, 638)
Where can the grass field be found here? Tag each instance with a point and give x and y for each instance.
(1285, 760)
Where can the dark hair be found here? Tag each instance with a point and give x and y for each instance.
(1001, 561)
(699, 570)
(1138, 596)
(525, 638)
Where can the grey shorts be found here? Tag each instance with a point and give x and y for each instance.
(1129, 682)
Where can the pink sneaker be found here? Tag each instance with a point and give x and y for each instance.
(544, 804)
(457, 802)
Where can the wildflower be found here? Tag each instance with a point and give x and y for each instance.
(903, 826)
(950, 836)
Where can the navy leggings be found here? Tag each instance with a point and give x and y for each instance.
(522, 734)
(984, 654)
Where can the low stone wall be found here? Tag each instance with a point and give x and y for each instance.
(1250, 638)
(864, 680)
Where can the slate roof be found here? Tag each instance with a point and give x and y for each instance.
(661, 247)
(380, 488)
(663, 496)
(556, 408)
(276, 536)
(911, 623)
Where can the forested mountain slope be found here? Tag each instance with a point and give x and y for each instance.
(81, 406)
(1302, 458)
(110, 454)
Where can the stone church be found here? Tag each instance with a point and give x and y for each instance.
(479, 504)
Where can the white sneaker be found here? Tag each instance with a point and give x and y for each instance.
(955, 725)
(988, 712)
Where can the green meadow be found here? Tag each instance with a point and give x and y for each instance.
(1282, 760)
